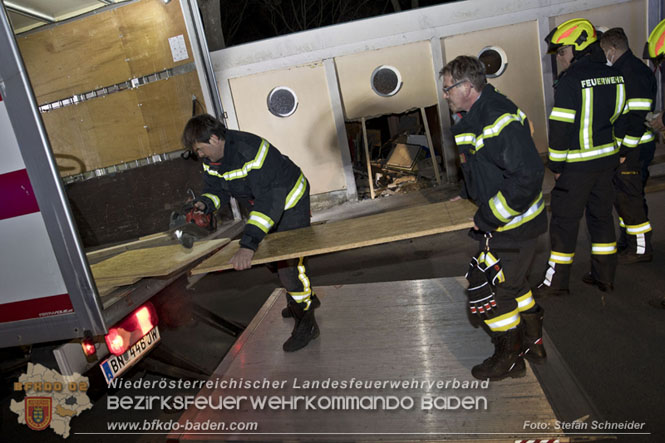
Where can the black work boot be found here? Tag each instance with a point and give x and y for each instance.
(589, 279)
(506, 360)
(532, 338)
(313, 304)
(304, 330)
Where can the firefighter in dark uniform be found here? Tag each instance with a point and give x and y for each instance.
(589, 99)
(641, 89)
(247, 167)
(503, 175)
(654, 49)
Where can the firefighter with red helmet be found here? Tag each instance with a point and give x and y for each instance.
(589, 100)
(639, 141)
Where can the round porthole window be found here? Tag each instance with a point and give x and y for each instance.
(386, 81)
(282, 101)
(494, 59)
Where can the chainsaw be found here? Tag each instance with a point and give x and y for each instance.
(191, 225)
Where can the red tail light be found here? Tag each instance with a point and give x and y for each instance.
(88, 346)
(131, 329)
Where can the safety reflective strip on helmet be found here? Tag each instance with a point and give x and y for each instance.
(639, 104)
(630, 141)
(562, 258)
(603, 248)
(500, 208)
(215, 200)
(505, 321)
(638, 229)
(296, 193)
(528, 215)
(261, 221)
(257, 163)
(525, 302)
(563, 115)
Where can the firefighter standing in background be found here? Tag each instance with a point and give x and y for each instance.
(654, 49)
(639, 142)
(503, 175)
(247, 167)
(588, 103)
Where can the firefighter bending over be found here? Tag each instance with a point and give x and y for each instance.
(503, 175)
(247, 167)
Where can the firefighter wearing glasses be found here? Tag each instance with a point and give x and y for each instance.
(641, 89)
(247, 167)
(583, 153)
(503, 175)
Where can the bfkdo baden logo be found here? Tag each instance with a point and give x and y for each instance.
(38, 412)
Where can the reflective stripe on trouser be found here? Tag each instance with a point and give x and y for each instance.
(513, 294)
(630, 206)
(293, 276)
(573, 194)
(293, 273)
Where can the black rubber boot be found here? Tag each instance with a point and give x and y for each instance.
(506, 360)
(304, 330)
(314, 303)
(532, 338)
(589, 279)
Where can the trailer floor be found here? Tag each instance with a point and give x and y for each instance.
(406, 333)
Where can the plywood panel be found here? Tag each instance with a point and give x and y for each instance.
(146, 27)
(97, 133)
(413, 61)
(521, 80)
(125, 268)
(309, 136)
(166, 106)
(354, 233)
(75, 57)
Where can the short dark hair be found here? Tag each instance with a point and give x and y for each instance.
(615, 37)
(466, 67)
(200, 128)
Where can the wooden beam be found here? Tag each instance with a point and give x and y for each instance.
(349, 234)
(370, 177)
(431, 146)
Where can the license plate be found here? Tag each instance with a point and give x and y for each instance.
(117, 364)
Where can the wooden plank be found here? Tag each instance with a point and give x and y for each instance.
(150, 262)
(431, 146)
(354, 233)
(370, 176)
(143, 242)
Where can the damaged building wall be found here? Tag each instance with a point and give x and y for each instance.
(308, 135)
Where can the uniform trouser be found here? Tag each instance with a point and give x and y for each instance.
(293, 273)
(629, 203)
(513, 294)
(572, 194)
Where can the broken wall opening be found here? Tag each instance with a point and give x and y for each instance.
(400, 152)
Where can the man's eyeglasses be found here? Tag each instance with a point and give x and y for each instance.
(447, 89)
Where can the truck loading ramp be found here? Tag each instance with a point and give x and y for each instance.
(392, 363)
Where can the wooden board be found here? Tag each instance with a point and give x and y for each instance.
(354, 233)
(143, 242)
(150, 262)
